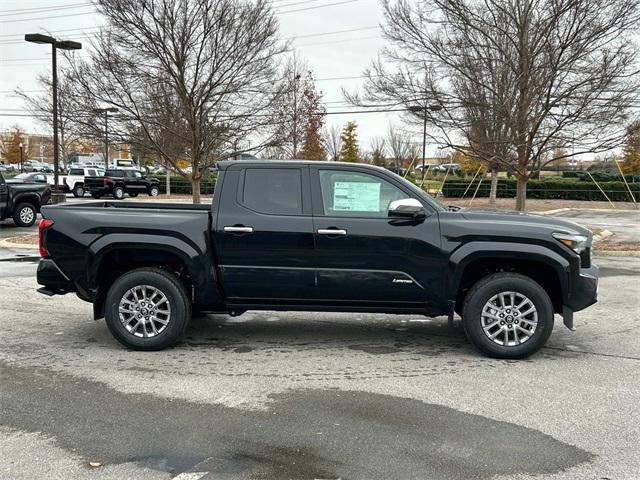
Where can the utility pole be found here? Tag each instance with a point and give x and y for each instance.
(424, 110)
(21, 159)
(106, 131)
(296, 78)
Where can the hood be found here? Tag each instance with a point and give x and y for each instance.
(498, 225)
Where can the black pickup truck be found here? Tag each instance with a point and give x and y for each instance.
(315, 236)
(118, 182)
(22, 200)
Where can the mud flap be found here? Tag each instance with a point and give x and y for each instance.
(567, 318)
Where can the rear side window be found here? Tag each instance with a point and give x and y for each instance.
(275, 191)
(115, 173)
(76, 171)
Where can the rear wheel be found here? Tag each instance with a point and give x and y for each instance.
(147, 309)
(118, 193)
(25, 215)
(508, 315)
(78, 191)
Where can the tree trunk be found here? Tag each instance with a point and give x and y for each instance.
(195, 189)
(494, 187)
(521, 193)
(168, 181)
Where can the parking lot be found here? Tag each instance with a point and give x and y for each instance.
(314, 395)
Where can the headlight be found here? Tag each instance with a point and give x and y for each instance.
(577, 243)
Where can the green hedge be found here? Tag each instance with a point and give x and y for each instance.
(564, 189)
(183, 185)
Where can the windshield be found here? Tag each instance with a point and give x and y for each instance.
(21, 176)
(436, 205)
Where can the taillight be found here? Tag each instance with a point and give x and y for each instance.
(105, 182)
(42, 226)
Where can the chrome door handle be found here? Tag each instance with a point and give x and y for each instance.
(238, 229)
(331, 231)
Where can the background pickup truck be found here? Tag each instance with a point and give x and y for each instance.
(118, 182)
(294, 235)
(74, 181)
(22, 201)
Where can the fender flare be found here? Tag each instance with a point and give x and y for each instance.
(197, 263)
(463, 256)
(28, 197)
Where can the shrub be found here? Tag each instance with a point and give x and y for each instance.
(564, 189)
(182, 185)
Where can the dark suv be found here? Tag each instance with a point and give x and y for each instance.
(119, 182)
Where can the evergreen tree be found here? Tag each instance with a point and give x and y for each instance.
(312, 149)
(350, 151)
(631, 163)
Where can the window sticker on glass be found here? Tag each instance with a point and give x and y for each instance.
(356, 196)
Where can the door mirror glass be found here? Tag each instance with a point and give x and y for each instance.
(407, 208)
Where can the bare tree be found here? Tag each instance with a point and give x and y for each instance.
(215, 62)
(332, 139)
(299, 109)
(76, 122)
(378, 151)
(399, 144)
(515, 78)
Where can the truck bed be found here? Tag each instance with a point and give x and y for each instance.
(141, 205)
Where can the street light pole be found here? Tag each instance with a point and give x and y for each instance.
(106, 131)
(56, 196)
(21, 159)
(419, 108)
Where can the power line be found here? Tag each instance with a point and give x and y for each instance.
(26, 10)
(93, 11)
(48, 9)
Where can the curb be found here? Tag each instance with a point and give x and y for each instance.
(567, 209)
(7, 244)
(616, 253)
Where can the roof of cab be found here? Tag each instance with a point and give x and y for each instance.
(224, 164)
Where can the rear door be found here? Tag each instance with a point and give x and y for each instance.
(365, 256)
(264, 234)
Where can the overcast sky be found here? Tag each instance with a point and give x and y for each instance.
(310, 23)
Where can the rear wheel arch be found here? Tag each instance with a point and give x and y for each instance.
(110, 264)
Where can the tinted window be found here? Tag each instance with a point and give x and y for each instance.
(357, 194)
(115, 173)
(76, 171)
(273, 190)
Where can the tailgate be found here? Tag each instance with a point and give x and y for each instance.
(95, 182)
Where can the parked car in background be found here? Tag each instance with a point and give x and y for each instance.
(118, 182)
(73, 182)
(33, 177)
(37, 166)
(444, 167)
(318, 236)
(22, 200)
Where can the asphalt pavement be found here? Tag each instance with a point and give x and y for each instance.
(315, 395)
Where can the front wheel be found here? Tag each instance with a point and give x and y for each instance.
(154, 191)
(507, 315)
(147, 309)
(25, 215)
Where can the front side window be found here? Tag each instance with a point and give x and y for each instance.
(352, 194)
(274, 191)
(76, 171)
(137, 174)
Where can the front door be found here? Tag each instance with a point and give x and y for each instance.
(365, 256)
(264, 235)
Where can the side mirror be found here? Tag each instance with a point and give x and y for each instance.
(407, 208)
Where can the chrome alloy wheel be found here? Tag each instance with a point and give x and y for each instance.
(26, 215)
(509, 319)
(144, 311)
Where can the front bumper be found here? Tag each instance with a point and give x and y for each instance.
(53, 281)
(584, 292)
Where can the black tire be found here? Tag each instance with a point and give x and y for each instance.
(25, 215)
(133, 195)
(154, 191)
(169, 285)
(96, 195)
(118, 193)
(492, 285)
(78, 191)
